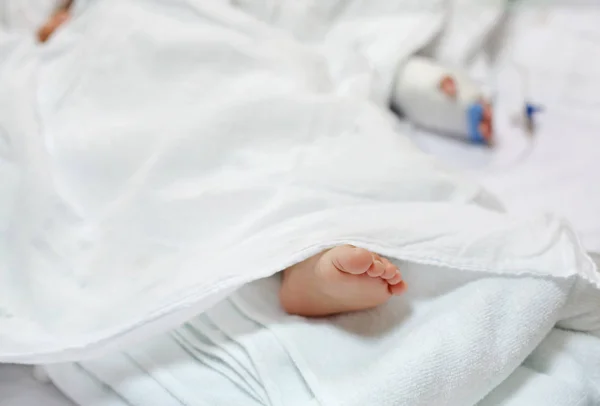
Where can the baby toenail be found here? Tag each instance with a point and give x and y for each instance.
(396, 279)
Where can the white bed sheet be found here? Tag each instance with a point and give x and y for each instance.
(554, 172)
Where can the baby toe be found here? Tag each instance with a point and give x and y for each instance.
(398, 288)
(349, 259)
(390, 271)
(396, 279)
(377, 268)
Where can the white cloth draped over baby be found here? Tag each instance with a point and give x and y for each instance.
(159, 155)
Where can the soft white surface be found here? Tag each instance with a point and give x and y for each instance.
(25, 16)
(516, 386)
(246, 351)
(263, 143)
(19, 388)
(143, 202)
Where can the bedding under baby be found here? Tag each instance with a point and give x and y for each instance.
(246, 351)
(161, 156)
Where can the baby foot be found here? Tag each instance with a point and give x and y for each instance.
(339, 280)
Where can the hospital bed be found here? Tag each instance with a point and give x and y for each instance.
(566, 147)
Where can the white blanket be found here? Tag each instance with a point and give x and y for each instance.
(162, 154)
(427, 348)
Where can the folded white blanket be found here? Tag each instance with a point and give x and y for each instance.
(454, 339)
(167, 153)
